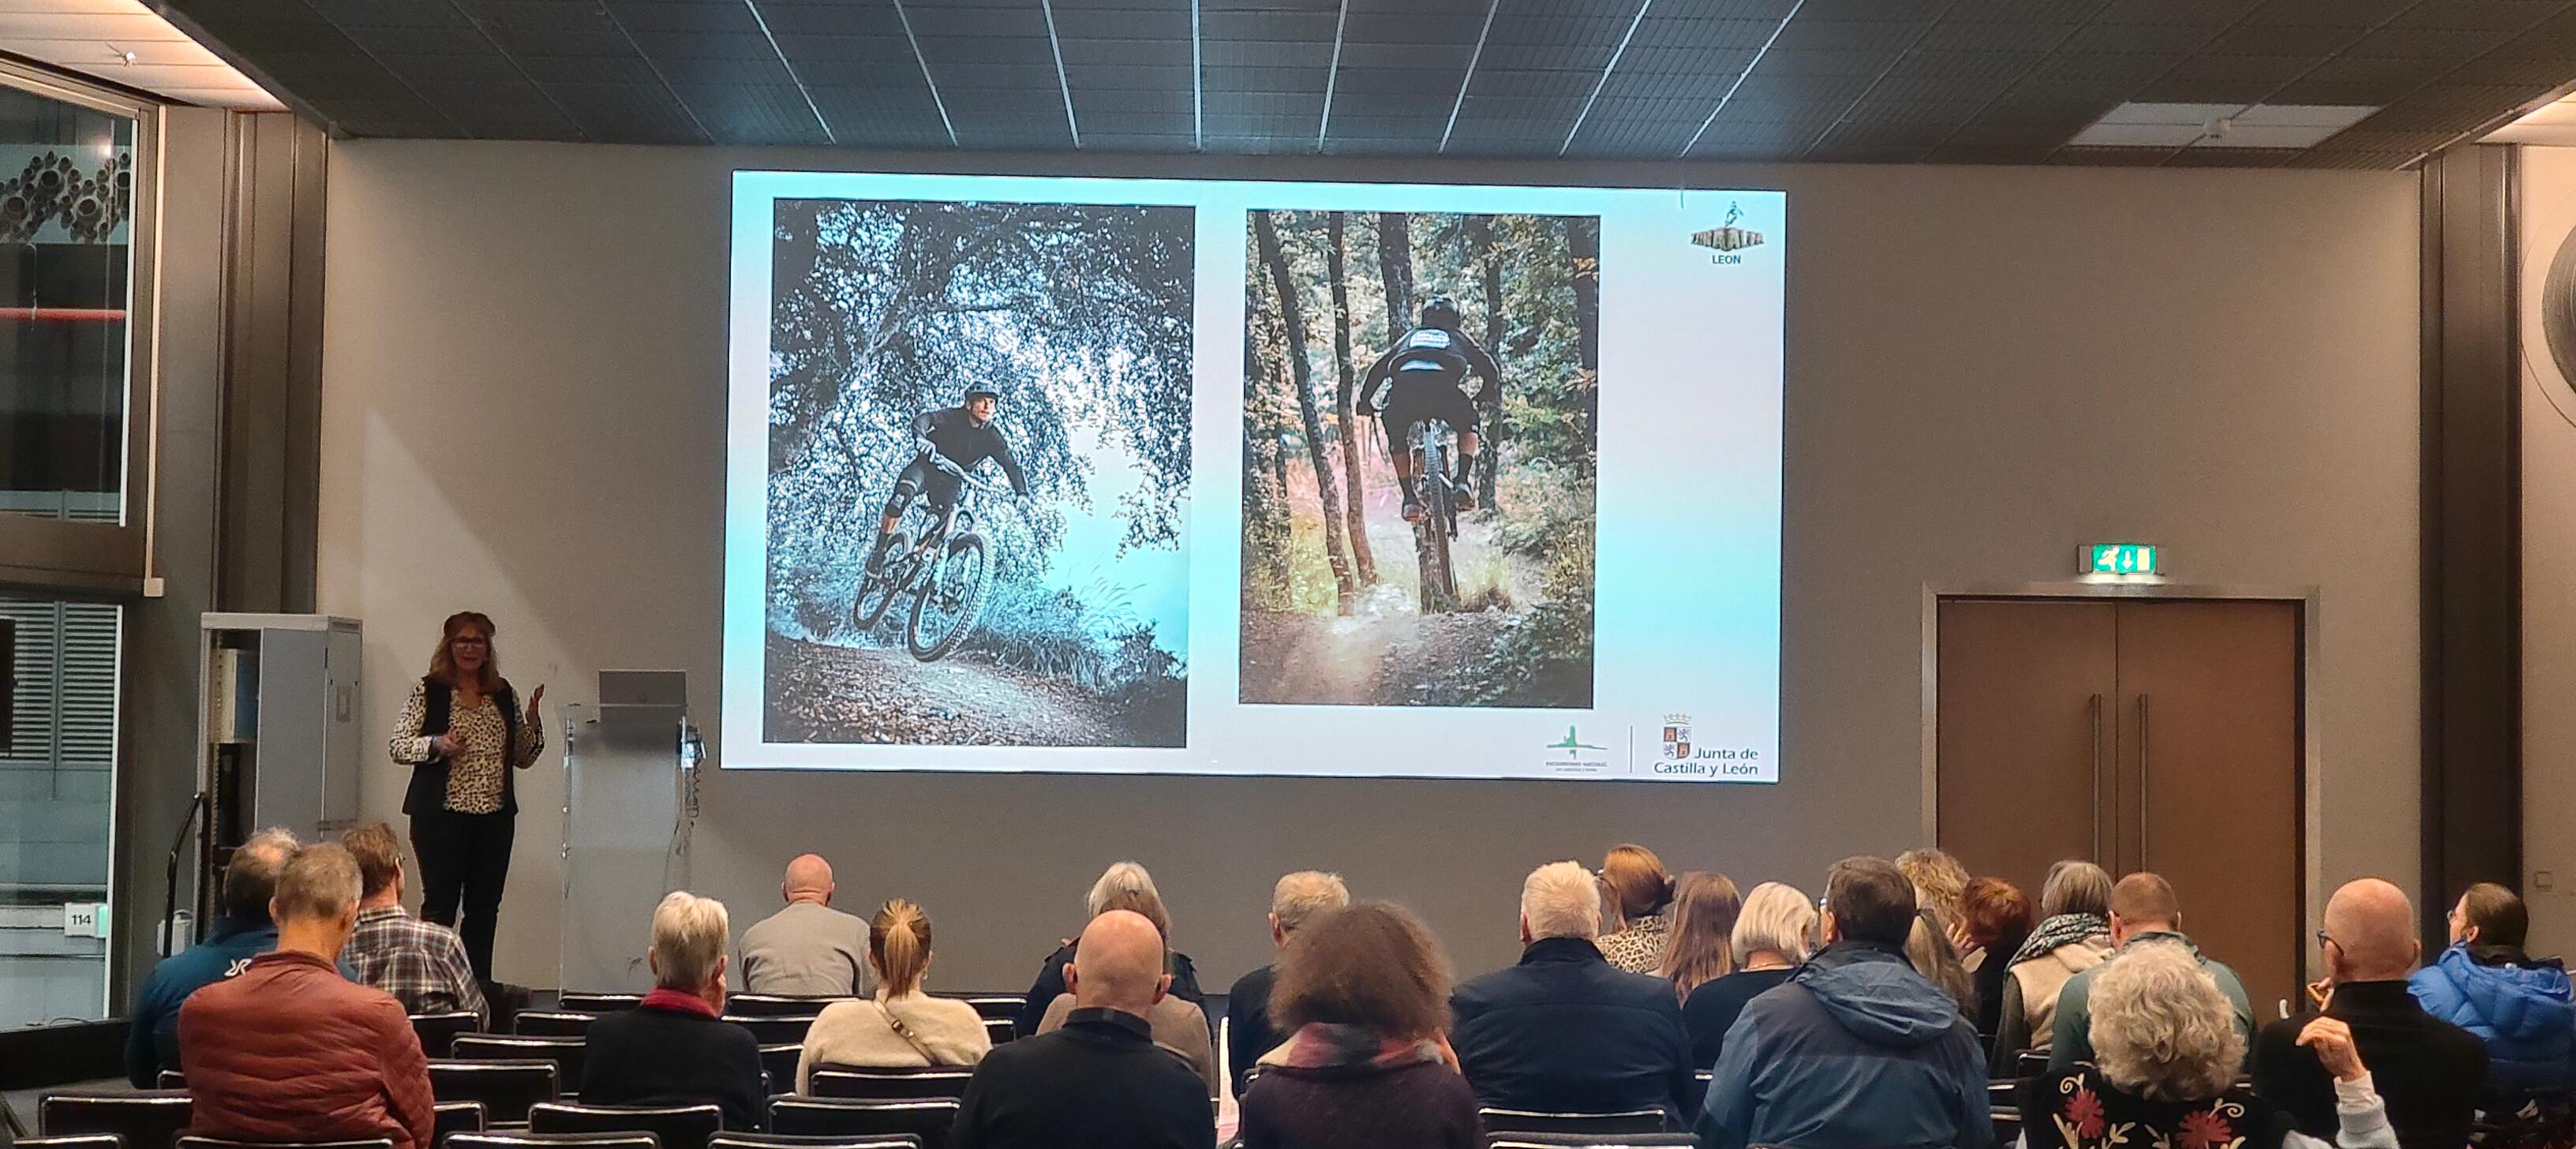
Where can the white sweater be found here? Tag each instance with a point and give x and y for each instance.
(857, 1033)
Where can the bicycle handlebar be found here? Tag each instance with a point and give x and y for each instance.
(949, 465)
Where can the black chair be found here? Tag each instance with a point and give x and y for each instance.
(438, 1030)
(552, 1023)
(837, 1117)
(677, 1126)
(505, 1088)
(774, 1029)
(2030, 1063)
(71, 1141)
(1006, 1006)
(565, 1052)
(776, 1005)
(454, 1117)
(778, 1063)
(1001, 1029)
(148, 1120)
(518, 1140)
(170, 1079)
(910, 1083)
(1588, 1140)
(1527, 1121)
(599, 1002)
(192, 1141)
(784, 1141)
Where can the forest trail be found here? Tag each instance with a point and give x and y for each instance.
(883, 695)
(1386, 652)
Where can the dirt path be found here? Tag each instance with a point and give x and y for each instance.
(883, 696)
(1390, 658)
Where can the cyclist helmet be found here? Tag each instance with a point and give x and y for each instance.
(1440, 311)
(975, 391)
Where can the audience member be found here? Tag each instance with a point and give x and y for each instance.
(1856, 1048)
(1177, 1025)
(1299, 898)
(2168, 1052)
(902, 1026)
(1123, 886)
(2144, 911)
(807, 948)
(1939, 881)
(2520, 1006)
(1773, 935)
(1365, 994)
(1100, 1082)
(1994, 919)
(232, 940)
(1928, 950)
(422, 964)
(1641, 892)
(1563, 1031)
(2073, 935)
(672, 1049)
(1702, 947)
(291, 1050)
(2427, 1069)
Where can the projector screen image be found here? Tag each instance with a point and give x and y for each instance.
(1494, 493)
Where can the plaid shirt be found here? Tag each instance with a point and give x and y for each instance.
(421, 963)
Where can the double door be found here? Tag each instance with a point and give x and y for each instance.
(2140, 734)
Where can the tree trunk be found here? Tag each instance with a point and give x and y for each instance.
(1395, 270)
(1265, 498)
(1583, 246)
(1301, 375)
(1345, 409)
(1489, 455)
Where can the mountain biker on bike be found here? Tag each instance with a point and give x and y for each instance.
(1417, 381)
(964, 435)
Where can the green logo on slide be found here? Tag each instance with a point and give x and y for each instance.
(1573, 743)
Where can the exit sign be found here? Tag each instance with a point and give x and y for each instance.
(2120, 559)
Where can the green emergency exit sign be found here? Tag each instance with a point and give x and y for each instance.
(2120, 559)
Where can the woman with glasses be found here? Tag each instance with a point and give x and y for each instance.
(465, 738)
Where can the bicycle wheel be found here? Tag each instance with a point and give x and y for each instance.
(877, 592)
(1439, 588)
(955, 589)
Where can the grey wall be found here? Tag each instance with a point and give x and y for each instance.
(523, 404)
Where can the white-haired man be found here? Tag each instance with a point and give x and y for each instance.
(673, 1049)
(1564, 1031)
(1299, 898)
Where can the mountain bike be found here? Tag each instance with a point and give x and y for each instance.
(1432, 445)
(946, 565)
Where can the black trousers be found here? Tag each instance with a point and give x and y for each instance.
(464, 857)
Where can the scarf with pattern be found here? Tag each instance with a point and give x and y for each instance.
(2062, 930)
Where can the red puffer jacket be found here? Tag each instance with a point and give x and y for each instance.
(291, 1051)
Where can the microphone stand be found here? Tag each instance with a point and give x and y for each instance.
(170, 901)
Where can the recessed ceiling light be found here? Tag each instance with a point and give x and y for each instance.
(2146, 125)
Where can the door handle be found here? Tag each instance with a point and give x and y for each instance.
(2146, 773)
(2096, 707)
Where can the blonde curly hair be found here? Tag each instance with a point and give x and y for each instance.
(2161, 1028)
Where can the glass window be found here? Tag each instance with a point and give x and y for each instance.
(66, 208)
(57, 768)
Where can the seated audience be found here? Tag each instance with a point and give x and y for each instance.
(2073, 935)
(1123, 886)
(1939, 881)
(2520, 1006)
(672, 1049)
(1994, 919)
(901, 1026)
(1099, 1082)
(1365, 992)
(1299, 898)
(1928, 950)
(808, 949)
(232, 940)
(1702, 947)
(1773, 936)
(1856, 1049)
(2427, 1069)
(1563, 1031)
(422, 964)
(2144, 911)
(2167, 1051)
(291, 1050)
(1636, 887)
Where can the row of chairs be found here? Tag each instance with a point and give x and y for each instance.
(159, 1118)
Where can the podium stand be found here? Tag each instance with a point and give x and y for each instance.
(627, 813)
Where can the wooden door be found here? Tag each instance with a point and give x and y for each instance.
(2024, 720)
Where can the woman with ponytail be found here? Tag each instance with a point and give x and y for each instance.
(1638, 891)
(902, 1026)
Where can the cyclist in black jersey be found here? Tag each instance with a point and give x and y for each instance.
(1417, 380)
(966, 436)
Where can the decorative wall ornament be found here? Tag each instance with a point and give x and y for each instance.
(53, 189)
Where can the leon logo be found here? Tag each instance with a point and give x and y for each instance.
(1729, 239)
(1677, 736)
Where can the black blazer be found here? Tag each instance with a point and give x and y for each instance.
(1564, 1031)
(428, 791)
(652, 1056)
(1098, 1083)
(2427, 1069)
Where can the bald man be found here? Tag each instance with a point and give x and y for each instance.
(2426, 1069)
(2144, 911)
(1100, 1082)
(808, 949)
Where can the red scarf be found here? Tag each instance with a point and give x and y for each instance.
(676, 1000)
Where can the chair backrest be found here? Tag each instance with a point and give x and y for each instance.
(453, 1117)
(151, 1120)
(677, 1126)
(506, 1088)
(1587, 1140)
(777, 1005)
(565, 1052)
(169, 1079)
(835, 1117)
(1000, 1029)
(192, 1141)
(2030, 1063)
(1006, 1006)
(552, 1023)
(438, 1030)
(524, 1140)
(778, 1064)
(894, 1084)
(71, 1141)
(785, 1141)
(774, 1029)
(1528, 1121)
(598, 1002)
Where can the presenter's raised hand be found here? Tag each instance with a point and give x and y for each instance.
(534, 698)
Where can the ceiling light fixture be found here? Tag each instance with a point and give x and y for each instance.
(2170, 126)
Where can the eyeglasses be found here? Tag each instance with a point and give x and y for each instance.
(2325, 939)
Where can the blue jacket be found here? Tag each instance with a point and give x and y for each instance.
(1854, 1049)
(1564, 1031)
(2524, 1010)
(153, 1044)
